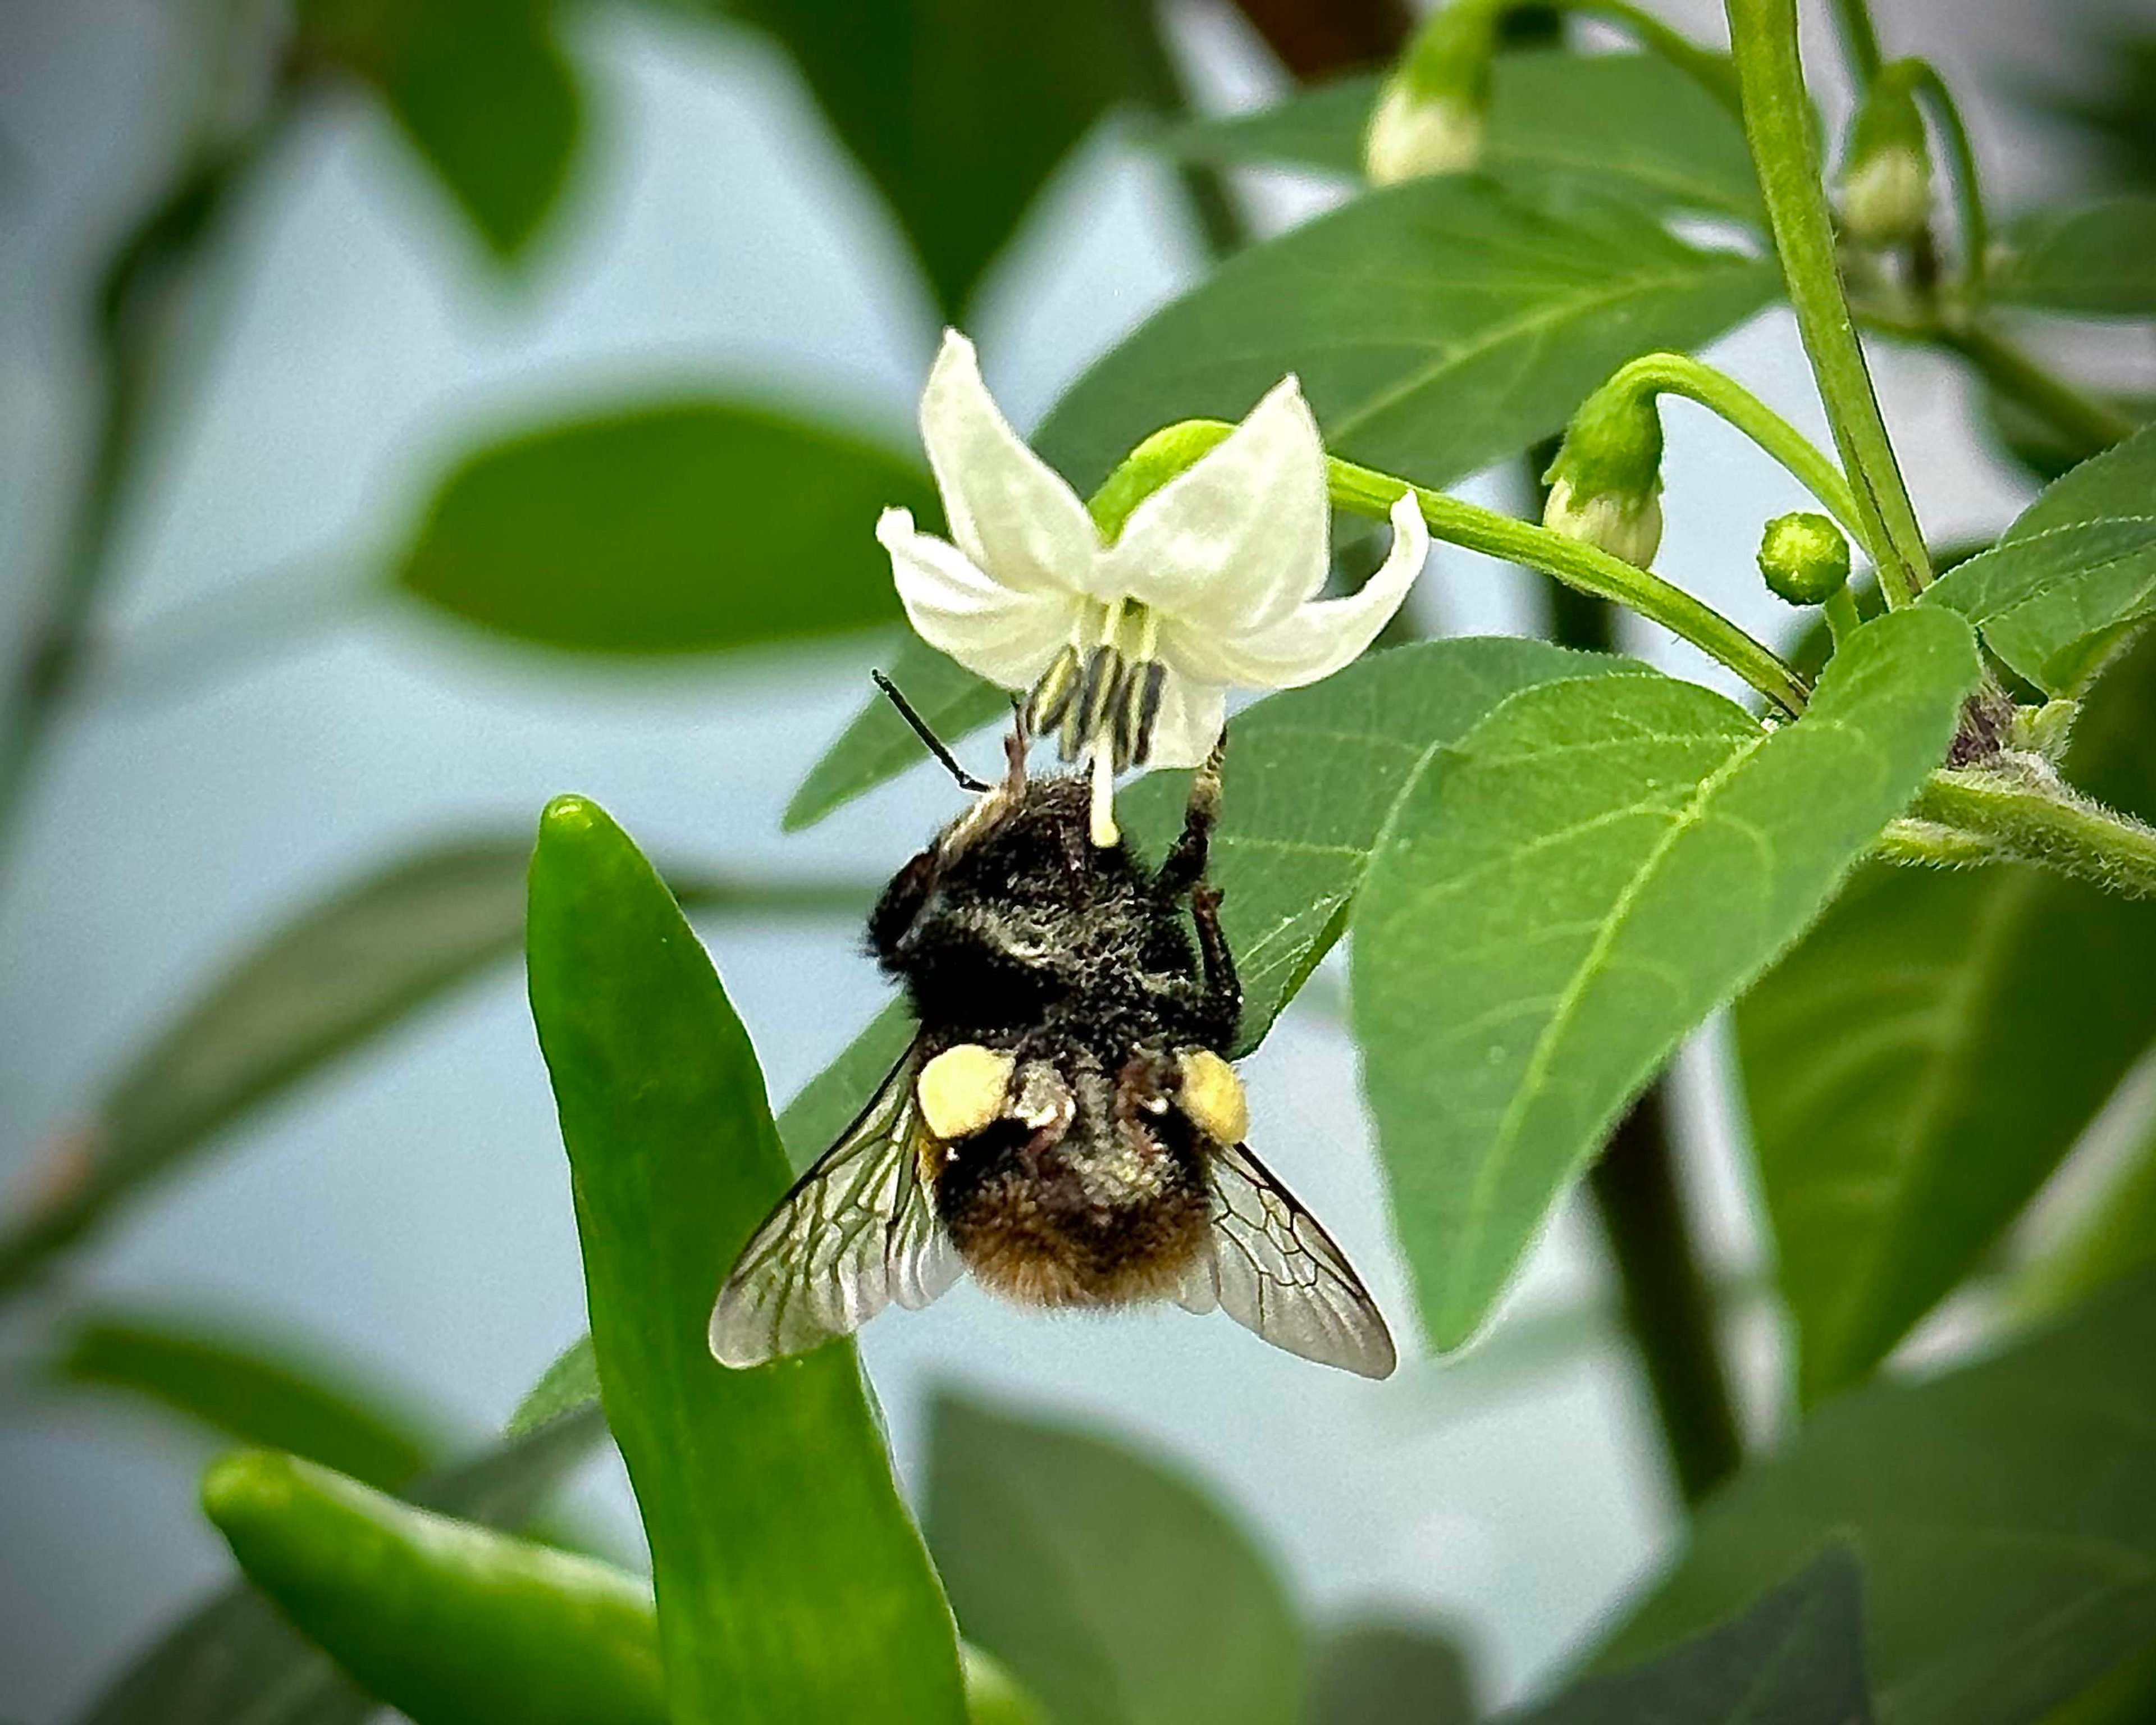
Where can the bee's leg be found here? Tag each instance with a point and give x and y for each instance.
(1224, 990)
(1183, 868)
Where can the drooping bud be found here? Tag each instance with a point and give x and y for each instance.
(1885, 185)
(1605, 484)
(1804, 558)
(1429, 118)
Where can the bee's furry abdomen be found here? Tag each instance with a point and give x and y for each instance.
(1097, 1219)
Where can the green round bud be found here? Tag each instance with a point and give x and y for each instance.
(1885, 185)
(1804, 558)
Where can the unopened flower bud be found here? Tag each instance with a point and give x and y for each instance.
(1886, 182)
(1804, 558)
(2045, 730)
(1430, 118)
(1606, 482)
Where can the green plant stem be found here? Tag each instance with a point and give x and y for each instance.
(142, 282)
(1860, 41)
(1778, 122)
(1668, 1306)
(1933, 844)
(2044, 823)
(1969, 190)
(1709, 68)
(1681, 374)
(1365, 491)
(1843, 619)
(2094, 425)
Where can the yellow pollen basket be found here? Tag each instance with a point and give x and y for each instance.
(963, 1089)
(1213, 1096)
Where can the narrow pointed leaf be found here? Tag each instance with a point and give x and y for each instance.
(2001, 1513)
(1632, 123)
(2077, 569)
(1118, 1593)
(1575, 885)
(263, 1395)
(480, 89)
(792, 1584)
(320, 984)
(236, 1660)
(444, 1621)
(2095, 260)
(1793, 1657)
(1436, 326)
(688, 527)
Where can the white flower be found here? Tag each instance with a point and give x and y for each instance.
(1412, 137)
(1128, 649)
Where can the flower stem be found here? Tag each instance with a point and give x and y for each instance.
(1368, 492)
(1860, 41)
(2042, 821)
(1778, 120)
(1681, 374)
(1707, 66)
(1968, 191)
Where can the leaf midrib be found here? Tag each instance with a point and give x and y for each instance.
(1497, 1156)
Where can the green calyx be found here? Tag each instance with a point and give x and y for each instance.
(1606, 481)
(1885, 185)
(1804, 558)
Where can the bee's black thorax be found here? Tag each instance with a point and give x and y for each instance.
(1032, 937)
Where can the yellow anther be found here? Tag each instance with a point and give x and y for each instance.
(963, 1089)
(1213, 1096)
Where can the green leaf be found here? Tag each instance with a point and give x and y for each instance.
(2001, 1513)
(444, 1621)
(2077, 566)
(961, 110)
(1575, 885)
(1117, 1592)
(1436, 326)
(2114, 1237)
(260, 1394)
(792, 1584)
(1793, 1657)
(878, 745)
(571, 1384)
(236, 1660)
(320, 984)
(1916, 1070)
(480, 90)
(2097, 260)
(1385, 1674)
(1631, 123)
(2041, 446)
(688, 527)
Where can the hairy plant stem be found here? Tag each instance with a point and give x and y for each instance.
(1669, 1308)
(1681, 374)
(1365, 491)
(1778, 122)
(2028, 816)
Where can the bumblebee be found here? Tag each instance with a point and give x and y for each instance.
(1065, 1125)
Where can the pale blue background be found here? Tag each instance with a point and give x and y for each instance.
(411, 1207)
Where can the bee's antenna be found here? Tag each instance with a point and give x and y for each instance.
(929, 740)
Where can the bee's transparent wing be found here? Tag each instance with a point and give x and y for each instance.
(857, 1231)
(1274, 1270)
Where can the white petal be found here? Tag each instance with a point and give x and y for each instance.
(1239, 540)
(1314, 641)
(1191, 715)
(1007, 637)
(1010, 512)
